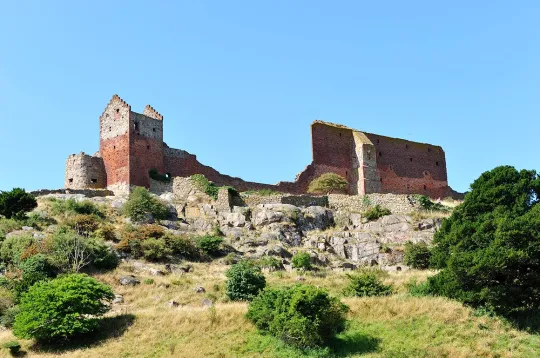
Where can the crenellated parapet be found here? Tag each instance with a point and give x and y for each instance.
(149, 111)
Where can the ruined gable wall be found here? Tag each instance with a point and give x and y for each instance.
(332, 148)
(84, 171)
(406, 167)
(146, 148)
(114, 140)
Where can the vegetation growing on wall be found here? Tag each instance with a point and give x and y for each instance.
(328, 183)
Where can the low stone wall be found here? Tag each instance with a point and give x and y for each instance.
(89, 193)
(398, 204)
(296, 200)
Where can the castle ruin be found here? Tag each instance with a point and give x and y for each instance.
(131, 144)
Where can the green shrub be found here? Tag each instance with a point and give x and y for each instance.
(7, 300)
(417, 255)
(71, 252)
(39, 220)
(210, 244)
(205, 185)
(142, 204)
(270, 262)
(16, 203)
(84, 224)
(328, 183)
(9, 225)
(14, 246)
(427, 204)
(155, 249)
(303, 316)
(244, 281)
(488, 249)
(302, 261)
(183, 247)
(73, 207)
(418, 289)
(13, 346)
(366, 284)
(8, 317)
(62, 308)
(106, 232)
(103, 257)
(376, 212)
(148, 281)
(263, 192)
(34, 269)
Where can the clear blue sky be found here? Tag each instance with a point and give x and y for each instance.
(239, 82)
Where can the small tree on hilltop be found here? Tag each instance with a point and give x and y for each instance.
(16, 203)
(62, 308)
(328, 183)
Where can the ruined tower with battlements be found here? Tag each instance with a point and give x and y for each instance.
(131, 144)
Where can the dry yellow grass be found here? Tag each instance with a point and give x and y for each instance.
(398, 325)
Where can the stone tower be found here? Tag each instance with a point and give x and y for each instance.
(130, 144)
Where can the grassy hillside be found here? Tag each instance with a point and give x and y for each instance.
(145, 325)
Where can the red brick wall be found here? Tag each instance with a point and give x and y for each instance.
(408, 167)
(331, 146)
(115, 154)
(145, 154)
(185, 164)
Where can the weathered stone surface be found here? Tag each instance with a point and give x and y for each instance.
(129, 280)
(315, 218)
(266, 214)
(178, 269)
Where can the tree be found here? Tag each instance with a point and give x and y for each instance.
(141, 204)
(62, 308)
(16, 203)
(244, 281)
(301, 261)
(417, 255)
(489, 248)
(302, 315)
(328, 183)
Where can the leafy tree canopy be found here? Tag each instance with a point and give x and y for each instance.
(489, 248)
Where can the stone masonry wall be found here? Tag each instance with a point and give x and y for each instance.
(398, 204)
(84, 171)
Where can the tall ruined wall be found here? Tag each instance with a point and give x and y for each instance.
(84, 171)
(332, 149)
(181, 163)
(372, 163)
(406, 167)
(146, 147)
(114, 143)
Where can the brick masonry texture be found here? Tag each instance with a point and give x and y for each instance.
(131, 144)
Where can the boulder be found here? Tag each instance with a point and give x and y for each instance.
(118, 299)
(129, 280)
(315, 218)
(178, 269)
(199, 289)
(266, 214)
